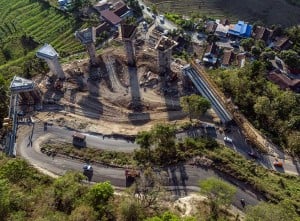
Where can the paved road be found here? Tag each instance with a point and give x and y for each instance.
(180, 179)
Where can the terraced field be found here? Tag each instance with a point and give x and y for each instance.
(26, 24)
(285, 12)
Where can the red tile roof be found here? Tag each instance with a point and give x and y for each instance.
(283, 81)
(227, 58)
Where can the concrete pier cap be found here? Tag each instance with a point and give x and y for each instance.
(48, 53)
(127, 35)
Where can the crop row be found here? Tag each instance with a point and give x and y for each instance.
(40, 21)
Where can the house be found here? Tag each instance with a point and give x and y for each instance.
(282, 43)
(222, 30)
(211, 53)
(224, 22)
(262, 33)
(241, 29)
(101, 5)
(211, 50)
(122, 10)
(228, 57)
(102, 27)
(210, 27)
(283, 81)
(110, 17)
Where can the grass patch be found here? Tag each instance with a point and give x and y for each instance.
(113, 158)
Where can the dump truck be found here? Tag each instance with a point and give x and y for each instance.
(131, 173)
(79, 140)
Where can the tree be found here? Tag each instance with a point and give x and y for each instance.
(4, 99)
(134, 4)
(98, 197)
(168, 216)
(67, 190)
(148, 189)
(293, 142)
(219, 193)
(83, 213)
(194, 105)
(267, 54)
(256, 51)
(79, 4)
(291, 58)
(154, 9)
(4, 198)
(247, 43)
(262, 107)
(131, 210)
(144, 139)
(271, 212)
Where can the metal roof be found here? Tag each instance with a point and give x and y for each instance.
(111, 17)
(240, 29)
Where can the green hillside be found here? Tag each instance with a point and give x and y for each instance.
(26, 25)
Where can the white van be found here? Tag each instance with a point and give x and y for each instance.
(227, 139)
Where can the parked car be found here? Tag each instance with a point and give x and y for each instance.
(162, 19)
(253, 154)
(278, 163)
(227, 139)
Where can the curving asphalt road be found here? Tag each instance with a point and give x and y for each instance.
(180, 179)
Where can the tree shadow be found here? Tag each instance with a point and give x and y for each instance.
(177, 179)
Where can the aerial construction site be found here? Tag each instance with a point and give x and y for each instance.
(133, 83)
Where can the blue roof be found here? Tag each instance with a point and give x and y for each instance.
(241, 29)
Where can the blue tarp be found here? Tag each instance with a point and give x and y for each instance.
(241, 29)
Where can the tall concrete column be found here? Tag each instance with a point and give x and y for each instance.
(127, 36)
(48, 53)
(164, 48)
(87, 37)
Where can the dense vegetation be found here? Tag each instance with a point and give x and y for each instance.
(275, 112)
(28, 195)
